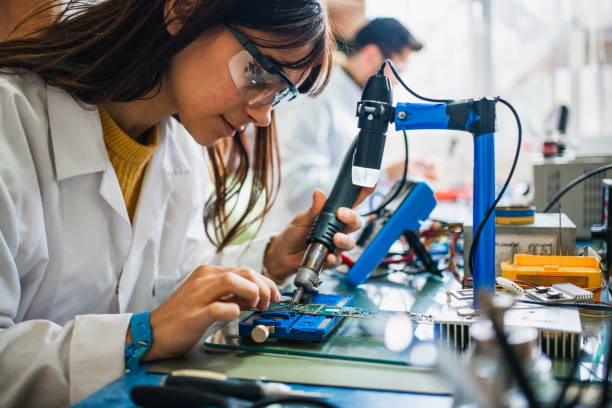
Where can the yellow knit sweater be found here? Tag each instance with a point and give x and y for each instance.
(129, 158)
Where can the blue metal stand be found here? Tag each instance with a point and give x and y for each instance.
(478, 118)
(484, 195)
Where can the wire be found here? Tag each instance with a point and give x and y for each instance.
(533, 285)
(603, 286)
(568, 381)
(503, 190)
(595, 316)
(606, 379)
(390, 63)
(574, 183)
(514, 364)
(516, 156)
(401, 185)
(603, 303)
(403, 259)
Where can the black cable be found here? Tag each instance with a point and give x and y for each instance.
(516, 156)
(574, 183)
(568, 381)
(385, 203)
(606, 379)
(514, 364)
(503, 190)
(408, 88)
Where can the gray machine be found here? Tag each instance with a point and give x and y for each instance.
(582, 204)
(550, 234)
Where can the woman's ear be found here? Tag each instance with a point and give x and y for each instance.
(177, 12)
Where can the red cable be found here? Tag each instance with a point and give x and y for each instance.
(533, 285)
(397, 260)
(347, 261)
(603, 286)
(603, 303)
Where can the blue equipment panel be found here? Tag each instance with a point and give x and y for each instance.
(289, 324)
(412, 206)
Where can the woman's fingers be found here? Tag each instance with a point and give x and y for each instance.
(350, 218)
(220, 311)
(248, 287)
(229, 283)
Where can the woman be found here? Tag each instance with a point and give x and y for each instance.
(103, 181)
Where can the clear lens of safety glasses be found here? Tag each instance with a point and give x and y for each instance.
(257, 86)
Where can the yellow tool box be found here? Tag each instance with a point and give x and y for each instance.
(546, 270)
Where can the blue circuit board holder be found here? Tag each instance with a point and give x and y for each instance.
(289, 324)
(414, 209)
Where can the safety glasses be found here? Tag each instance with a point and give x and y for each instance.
(259, 81)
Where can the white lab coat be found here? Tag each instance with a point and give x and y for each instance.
(314, 135)
(72, 267)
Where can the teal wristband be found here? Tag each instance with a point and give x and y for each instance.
(142, 338)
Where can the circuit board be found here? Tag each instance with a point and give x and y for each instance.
(346, 311)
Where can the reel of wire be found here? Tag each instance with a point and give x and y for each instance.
(515, 215)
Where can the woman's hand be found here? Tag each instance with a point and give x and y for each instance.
(285, 252)
(208, 295)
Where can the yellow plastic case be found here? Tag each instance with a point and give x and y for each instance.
(545, 270)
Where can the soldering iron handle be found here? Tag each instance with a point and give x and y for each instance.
(343, 194)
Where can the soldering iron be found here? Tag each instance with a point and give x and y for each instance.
(362, 162)
(360, 168)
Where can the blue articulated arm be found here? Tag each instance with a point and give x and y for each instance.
(478, 118)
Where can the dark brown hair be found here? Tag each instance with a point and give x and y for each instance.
(118, 51)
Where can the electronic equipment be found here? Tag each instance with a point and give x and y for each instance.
(549, 234)
(288, 324)
(582, 271)
(375, 112)
(402, 213)
(583, 204)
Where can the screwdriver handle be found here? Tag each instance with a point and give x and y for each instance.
(243, 389)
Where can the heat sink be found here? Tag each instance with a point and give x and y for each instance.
(559, 329)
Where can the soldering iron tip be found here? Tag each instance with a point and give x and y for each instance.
(297, 297)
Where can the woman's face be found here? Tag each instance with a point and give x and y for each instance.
(203, 93)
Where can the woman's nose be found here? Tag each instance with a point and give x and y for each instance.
(261, 116)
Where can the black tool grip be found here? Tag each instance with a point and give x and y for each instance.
(243, 389)
(343, 194)
(180, 397)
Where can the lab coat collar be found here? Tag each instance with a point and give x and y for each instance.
(77, 141)
(76, 135)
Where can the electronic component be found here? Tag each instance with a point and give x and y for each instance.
(509, 286)
(560, 330)
(580, 295)
(549, 295)
(282, 321)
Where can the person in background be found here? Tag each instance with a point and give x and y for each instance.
(316, 133)
(113, 121)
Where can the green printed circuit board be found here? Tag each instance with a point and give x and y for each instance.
(345, 311)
